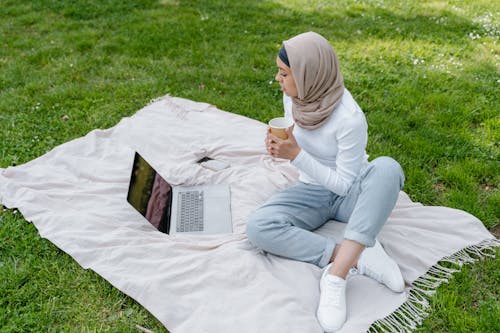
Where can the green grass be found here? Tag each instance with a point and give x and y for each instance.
(426, 74)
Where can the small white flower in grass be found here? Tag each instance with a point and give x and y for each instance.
(488, 24)
(498, 81)
(474, 36)
(418, 61)
(441, 20)
(71, 65)
(271, 82)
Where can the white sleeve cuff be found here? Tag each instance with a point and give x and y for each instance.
(299, 160)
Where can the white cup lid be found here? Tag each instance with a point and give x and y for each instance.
(280, 122)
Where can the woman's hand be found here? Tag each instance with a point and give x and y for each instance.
(276, 147)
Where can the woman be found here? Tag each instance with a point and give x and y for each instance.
(327, 145)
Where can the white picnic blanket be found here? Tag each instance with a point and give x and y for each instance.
(76, 197)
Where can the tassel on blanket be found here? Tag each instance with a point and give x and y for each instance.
(411, 314)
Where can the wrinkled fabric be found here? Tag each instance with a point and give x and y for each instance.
(75, 195)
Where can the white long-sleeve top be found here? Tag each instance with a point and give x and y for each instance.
(333, 154)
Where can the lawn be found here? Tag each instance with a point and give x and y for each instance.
(426, 73)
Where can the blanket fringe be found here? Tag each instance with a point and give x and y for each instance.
(414, 310)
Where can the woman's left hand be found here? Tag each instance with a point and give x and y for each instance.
(288, 149)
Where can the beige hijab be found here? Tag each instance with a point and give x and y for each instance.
(320, 85)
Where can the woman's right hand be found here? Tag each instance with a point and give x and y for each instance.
(276, 147)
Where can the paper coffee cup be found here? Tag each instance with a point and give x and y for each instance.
(279, 125)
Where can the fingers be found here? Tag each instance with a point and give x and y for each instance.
(275, 139)
(271, 150)
(272, 139)
(268, 141)
(273, 144)
(282, 148)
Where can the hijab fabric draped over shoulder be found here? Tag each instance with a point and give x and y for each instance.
(320, 85)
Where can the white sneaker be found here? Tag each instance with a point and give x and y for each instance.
(375, 263)
(332, 302)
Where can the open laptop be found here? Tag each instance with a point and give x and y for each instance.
(173, 209)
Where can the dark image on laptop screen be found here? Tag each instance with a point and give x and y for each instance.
(150, 194)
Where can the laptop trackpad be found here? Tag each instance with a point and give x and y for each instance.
(217, 210)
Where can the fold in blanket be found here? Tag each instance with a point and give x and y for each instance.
(76, 197)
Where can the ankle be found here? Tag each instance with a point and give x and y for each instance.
(338, 272)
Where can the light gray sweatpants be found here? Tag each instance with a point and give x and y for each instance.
(284, 224)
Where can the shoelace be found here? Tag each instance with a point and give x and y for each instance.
(333, 295)
(375, 275)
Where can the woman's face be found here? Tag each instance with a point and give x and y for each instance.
(285, 79)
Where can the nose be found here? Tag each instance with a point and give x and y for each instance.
(277, 77)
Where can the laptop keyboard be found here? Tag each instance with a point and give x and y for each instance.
(190, 216)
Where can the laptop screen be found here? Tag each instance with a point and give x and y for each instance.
(150, 194)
